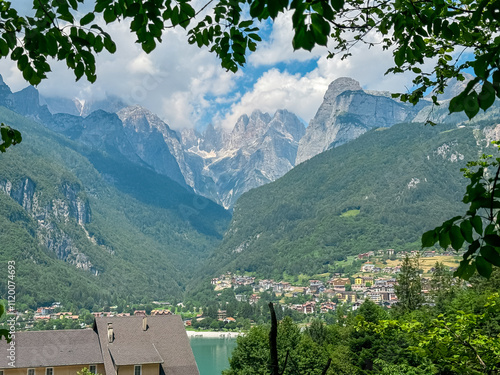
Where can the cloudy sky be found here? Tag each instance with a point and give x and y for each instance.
(187, 88)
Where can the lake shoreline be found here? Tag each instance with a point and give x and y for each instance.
(214, 334)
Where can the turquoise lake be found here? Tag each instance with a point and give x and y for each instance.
(212, 354)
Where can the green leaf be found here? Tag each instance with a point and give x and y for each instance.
(457, 103)
(273, 7)
(477, 224)
(320, 29)
(88, 18)
(5, 333)
(487, 96)
(492, 240)
(448, 223)
(98, 44)
(149, 45)
(471, 105)
(496, 81)
(187, 10)
(28, 73)
(51, 44)
(9, 136)
(109, 15)
(447, 32)
(480, 65)
(472, 248)
(490, 229)
(429, 238)
(466, 229)
(245, 24)
(109, 45)
(461, 269)
(23, 62)
(469, 271)
(444, 239)
(400, 56)
(16, 53)
(483, 267)
(337, 4)
(257, 8)
(4, 47)
(491, 255)
(456, 238)
(79, 69)
(255, 37)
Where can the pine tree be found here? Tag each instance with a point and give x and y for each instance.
(409, 286)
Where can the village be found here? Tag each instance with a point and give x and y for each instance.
(371, 282)
(375, 280)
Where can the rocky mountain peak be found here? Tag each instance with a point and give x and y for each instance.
(5, 94)
(81, 106)
(213, 139)
(143, 120)
(341, 85)
(259, 149)
(455, 87)
(287, 124)
(249, 129)
(347, 112)
(189, 137)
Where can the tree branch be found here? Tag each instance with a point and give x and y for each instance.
(52, 20)
(493, 193)
(467, 345)
(327, 366)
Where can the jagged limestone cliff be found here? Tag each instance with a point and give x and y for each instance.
(260, 149)
(347, 112)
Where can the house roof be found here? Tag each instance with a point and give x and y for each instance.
(129, 355)
(165, 342)
(53, 348)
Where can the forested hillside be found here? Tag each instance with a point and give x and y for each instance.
(89, 228)
(382, 190)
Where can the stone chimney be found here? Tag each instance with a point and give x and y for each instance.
(144, 323)
(110, 333)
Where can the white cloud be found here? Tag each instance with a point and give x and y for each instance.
(173, 81)
(303, 93)
(11, 75)
(281, 90)
(279, 46)
(185, 85)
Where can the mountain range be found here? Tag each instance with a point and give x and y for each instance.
(217, 163)
(112, 201)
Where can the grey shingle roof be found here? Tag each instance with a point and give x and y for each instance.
(129, 355)
(165, 341)
(53, 348)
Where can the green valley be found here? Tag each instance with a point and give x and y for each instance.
(80, 233)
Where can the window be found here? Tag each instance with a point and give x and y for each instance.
(31, 371)
(1, 372)
(92, 369)
(137, 370)
(49, 371)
